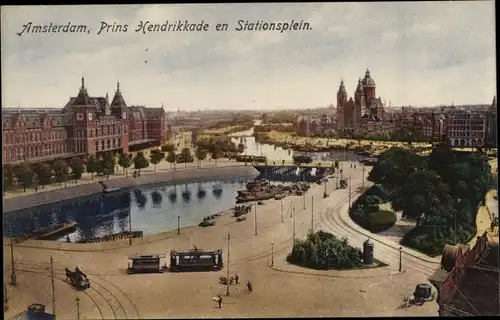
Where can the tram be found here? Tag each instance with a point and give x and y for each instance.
(145, 264)
(196, 260)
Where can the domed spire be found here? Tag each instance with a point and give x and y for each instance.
(342, 89)
(368, 81)
(494, 103)
(117, 86)
(83, 83)
(359, 88)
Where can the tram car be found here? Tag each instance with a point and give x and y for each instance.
(145, 264)
(196, 260)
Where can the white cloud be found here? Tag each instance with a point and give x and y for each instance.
(419, 53)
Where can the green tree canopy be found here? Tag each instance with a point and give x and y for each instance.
(44, 173)
(91, 165)
(77, 166)
(156, 157)
(25, 174)
(60, 168)
(140, 161)
(125, 161)
(171, 158)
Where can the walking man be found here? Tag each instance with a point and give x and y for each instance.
(219, 301)
(236, 279)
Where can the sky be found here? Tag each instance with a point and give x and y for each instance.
(418, 53)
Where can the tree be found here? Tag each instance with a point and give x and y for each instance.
(91, 165)
(77, 168)
(7, 177)
(241, 147)
(216, 155)
(423, 195)
(200, 154)
(125, 161)
(24, 175)
(185, 156)
(108, 163)
(156, 157)
(140, 161)
(60, 168)
(44, 173)
(171, 158)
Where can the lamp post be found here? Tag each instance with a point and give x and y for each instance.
(255, 217)
(281, 208)
(178, 225)
(53, 286)
(77, 308)
(272, 254)
(129, 228)
(312, 214)
(228, 245)
(293, 212)
(349, 182)
(363, 177)
(400, 259)
(13, 277)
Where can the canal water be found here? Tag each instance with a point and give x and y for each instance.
(152, 209)
(275, 153)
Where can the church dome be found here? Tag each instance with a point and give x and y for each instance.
(368, 82)
(359, 88)
(342, 89)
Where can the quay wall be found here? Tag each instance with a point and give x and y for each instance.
(88, 189)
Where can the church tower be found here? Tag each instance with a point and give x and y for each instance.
(341, 104)
(359, 103)
(368, 87)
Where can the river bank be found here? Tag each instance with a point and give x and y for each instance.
(92, 188)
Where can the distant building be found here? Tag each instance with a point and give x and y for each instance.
(466, 128)
(312, 126)
(491, 128)
(86, 125)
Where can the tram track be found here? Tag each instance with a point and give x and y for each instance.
(109, 300)
(332, 220)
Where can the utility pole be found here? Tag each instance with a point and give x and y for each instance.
(312, 214)
(349, 182)
(227, 282)
(304, 200)
(77, 308)
(293, 210)
(178, 225)
(5, 298)
(255, 217)
(363, 177)
(272, 254)
(13, 277)
(281, 208)
(400, 259)
(325, 185)
(53, 287)
(129, 227)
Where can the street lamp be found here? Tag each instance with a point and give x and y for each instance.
(13, 277)
(178, 225)
(77, 308)
(227, 278)
(400, 259)
(272, 254)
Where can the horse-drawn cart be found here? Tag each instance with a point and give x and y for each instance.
(77, 279)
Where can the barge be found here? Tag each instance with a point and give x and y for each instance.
(53, 232)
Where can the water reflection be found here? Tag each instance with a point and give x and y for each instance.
(105, 214)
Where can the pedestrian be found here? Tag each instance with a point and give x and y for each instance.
(36, 189)
(236, 278)
(249, 286)
(219, 301)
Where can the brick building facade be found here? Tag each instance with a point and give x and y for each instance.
(85, 125)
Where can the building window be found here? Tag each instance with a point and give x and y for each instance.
(102, 144)
(96, 146)
(109, 144)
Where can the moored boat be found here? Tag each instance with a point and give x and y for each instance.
(54, 231)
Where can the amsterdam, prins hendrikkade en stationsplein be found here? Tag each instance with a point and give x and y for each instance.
(146, 26)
